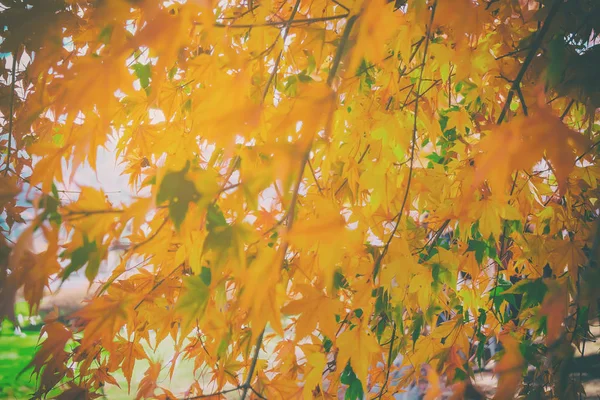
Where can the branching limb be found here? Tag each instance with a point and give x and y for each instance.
(288, 24)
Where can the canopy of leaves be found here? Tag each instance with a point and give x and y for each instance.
(318, 188)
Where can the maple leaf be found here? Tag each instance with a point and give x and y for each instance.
(50, 359)
(489, 213)
(315, 308)
(125, 355)
(460, 120)
(360, 347)
(566, 254)
(95, 208)
(103, 318)
(226, 371)
(316, 362)
(148, 384)
(509, 368)
(554, 308)
(193, 301)
(179, 191)
(262, 293)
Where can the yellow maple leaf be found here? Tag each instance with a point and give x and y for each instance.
(360, 347)
(490, 212)
(316, 361)
(509, 368)
(460, 120)
(566, 254)
(263, 294)
(92, 214)
(554, 308)
(315, 308)
(104, 316)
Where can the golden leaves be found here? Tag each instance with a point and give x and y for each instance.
(125, 356)
(320, 233)
(521, 143)
(223, 117)
(568, 254)
(167, 31)
(148, 384)
(212, 123)
(374, 32)
(263, 293)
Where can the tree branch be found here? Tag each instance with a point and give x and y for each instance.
(279, 23)
(246, 385)
(389, 363)
(291, 212)
(532, 52)
(204, 396)
(398, 216)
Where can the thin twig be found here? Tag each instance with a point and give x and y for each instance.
(204, 396)
(260, 396)
(288, 24)
(258, 345)
(389, 363)
(149, 238)
(312, 170)
(340, 50)
(280, 23)
(12, 108)
(359, 161)
(564, 114)
(341, 5)
(512, 53)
